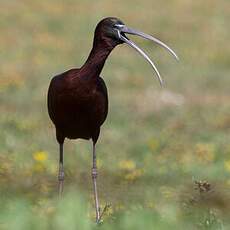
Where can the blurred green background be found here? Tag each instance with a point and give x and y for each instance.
(163, 153)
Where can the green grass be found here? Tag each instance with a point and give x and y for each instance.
(155, 143)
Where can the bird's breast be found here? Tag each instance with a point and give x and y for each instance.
(78, 111)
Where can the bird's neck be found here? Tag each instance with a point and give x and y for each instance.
(96, 59)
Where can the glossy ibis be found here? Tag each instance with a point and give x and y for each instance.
(77, 98)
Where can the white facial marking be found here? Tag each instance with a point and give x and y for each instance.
(119, 25)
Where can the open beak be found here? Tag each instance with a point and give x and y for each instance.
(124, 29)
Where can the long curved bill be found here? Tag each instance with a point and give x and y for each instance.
(132, 44)
(125, 29)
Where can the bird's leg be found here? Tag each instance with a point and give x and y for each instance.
(61, 172)
(94, 177)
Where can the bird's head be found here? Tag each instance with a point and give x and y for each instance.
(112, 31)
(107, 31)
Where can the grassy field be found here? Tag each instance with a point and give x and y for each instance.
(163, 153)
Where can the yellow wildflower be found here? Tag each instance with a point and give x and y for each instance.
(127, 165)
(40, 156)
(227, 165)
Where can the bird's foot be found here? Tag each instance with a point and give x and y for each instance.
(105, 209)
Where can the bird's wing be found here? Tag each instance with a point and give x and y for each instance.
(103, 89)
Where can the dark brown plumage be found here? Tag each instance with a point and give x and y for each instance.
(78, 105)
(77, 98)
